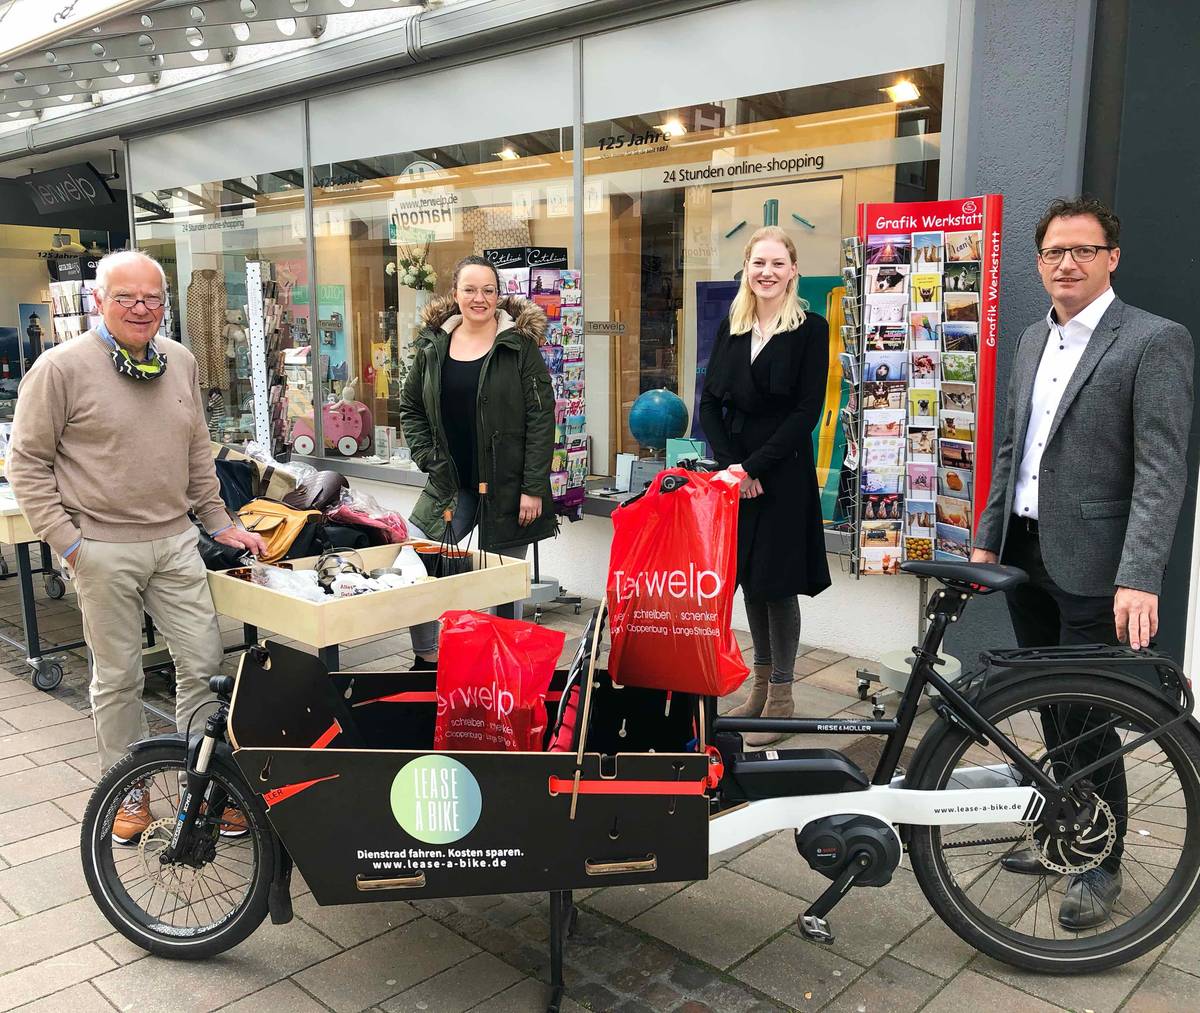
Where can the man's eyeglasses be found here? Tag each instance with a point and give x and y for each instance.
(488, 293)
(128, 302)
(1080, 254)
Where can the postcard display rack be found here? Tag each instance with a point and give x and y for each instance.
(72, 298)
(540, 273)
(922, 319)
(268, 315)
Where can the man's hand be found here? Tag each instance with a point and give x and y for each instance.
(530, 510)
(984, 556)
(1136, 614)
(239, 539)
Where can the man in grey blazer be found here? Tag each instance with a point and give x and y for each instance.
(1089, 476)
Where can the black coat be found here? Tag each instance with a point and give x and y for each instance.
(762, 414)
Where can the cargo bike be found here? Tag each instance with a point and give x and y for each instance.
(334, 772)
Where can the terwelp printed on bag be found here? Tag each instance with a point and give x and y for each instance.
(671, 579)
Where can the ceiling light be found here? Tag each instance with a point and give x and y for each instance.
(507, 154)
(673, 128)
(902, 91)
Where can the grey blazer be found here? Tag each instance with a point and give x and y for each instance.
(1114, 467)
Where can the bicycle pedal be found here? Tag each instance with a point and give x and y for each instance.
(815, 929)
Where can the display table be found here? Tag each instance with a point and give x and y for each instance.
(496, 580)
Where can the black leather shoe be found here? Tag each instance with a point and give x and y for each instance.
(1089, 900)
(1025, 862)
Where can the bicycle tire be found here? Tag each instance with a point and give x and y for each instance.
(1181, 744)
(109, 893)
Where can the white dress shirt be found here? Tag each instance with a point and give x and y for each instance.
(757, 341)
(1064, 349)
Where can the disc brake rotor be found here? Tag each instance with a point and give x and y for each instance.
(1084, 850)
(175, 879)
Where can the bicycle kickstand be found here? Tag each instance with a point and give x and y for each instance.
(812, 923)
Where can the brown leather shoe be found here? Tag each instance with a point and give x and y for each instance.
(133, 817)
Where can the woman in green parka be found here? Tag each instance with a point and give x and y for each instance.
(477, 412)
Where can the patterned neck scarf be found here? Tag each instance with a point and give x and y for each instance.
(150, 368)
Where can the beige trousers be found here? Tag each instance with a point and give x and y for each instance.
(114, 583)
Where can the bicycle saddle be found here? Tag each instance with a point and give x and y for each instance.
(989, 576)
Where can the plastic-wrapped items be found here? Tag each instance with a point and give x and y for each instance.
(297, 471)
(297, 583)
(356, 507)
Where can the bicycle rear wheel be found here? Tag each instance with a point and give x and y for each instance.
(188, 909)
(1150, 831)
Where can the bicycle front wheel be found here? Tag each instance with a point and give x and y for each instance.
(193, 908)
(1023, 893)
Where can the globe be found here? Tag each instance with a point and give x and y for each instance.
(658, 416)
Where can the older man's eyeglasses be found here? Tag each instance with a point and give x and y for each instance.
(1080, 254)
(151, 302)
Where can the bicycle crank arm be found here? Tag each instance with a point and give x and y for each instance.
(891, 805)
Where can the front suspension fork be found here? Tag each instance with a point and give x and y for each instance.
(200, 751)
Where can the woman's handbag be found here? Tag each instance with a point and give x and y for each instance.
(286, 531)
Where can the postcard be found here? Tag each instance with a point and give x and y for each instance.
(952, 510)
(919, 517)
(962, 246)
(874, 562)
(891, 308)
(569, 287)
(926, 290)
(886, 338)
(850, 339)
(922, 405)
(553, 354)
(887, 278)
(922, 365)
(882, 480)
(966, 277)
(956, 454)
(922, 481)
(852, 252)
(545, 279)
(850, 311)
(958, 337)
(927, 250)
(961, 307)
(956, 425)
(889, 249)
(885, 394)
(923, 327)
(953, 540)
(850, 281)
(886, 366)
(849, 364)
(958, 367)
(884, 422)
(918, 547)
(882, 451)
(921, 444)
(955, 482)
(881, 508)
(958, 396)
(879, 534)
(554, 332)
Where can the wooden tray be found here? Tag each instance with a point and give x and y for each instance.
(14, 528)
(340, 620)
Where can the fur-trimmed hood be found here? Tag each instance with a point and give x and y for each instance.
(516, 313)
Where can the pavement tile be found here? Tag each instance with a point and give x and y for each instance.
(747, 912)
(971, 991)
(282, 997)
(74, 805)
(934, 948)
(81, 998)
(626, 902)
(52, 975)
(351, 924)
(841, 677)
(1100, 991)
(27, 697)
(806, 666)
(121, 949)
(49, 933)
(527, 996)
(825, 655)
(12, 764)
(1165, 990)
(384, 966)
(814, 702)
(156, 985)
(12, 686)
(7, 914)
(44, 883)
(31, 821)
(44, 738)
(778, 864)
(27, 787)
(88, 765)
(40, 714)
(67, 751)
(64, 839)
(801, 976)
(891, 986)
(457, 989)
(1184, 952)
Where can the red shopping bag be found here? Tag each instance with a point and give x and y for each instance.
(671, 578)
(492, 679)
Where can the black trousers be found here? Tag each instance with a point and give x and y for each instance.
(1044, 615)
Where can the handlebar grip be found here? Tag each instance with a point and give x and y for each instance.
(222, 686)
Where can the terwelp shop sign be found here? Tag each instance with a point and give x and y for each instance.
(68, 189)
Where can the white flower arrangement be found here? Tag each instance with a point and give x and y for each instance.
(413, 269)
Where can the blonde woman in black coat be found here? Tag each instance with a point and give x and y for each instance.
(763, 394)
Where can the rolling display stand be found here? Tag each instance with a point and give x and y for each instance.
(547, 591)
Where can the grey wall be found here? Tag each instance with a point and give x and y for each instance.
(1025, 132)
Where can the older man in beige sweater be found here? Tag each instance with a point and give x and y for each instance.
(109, 452)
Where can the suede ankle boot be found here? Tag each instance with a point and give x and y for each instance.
(779, 705)
(757, 699)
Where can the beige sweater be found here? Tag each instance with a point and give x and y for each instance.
(101, 455)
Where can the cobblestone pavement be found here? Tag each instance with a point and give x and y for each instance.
(728, 944)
